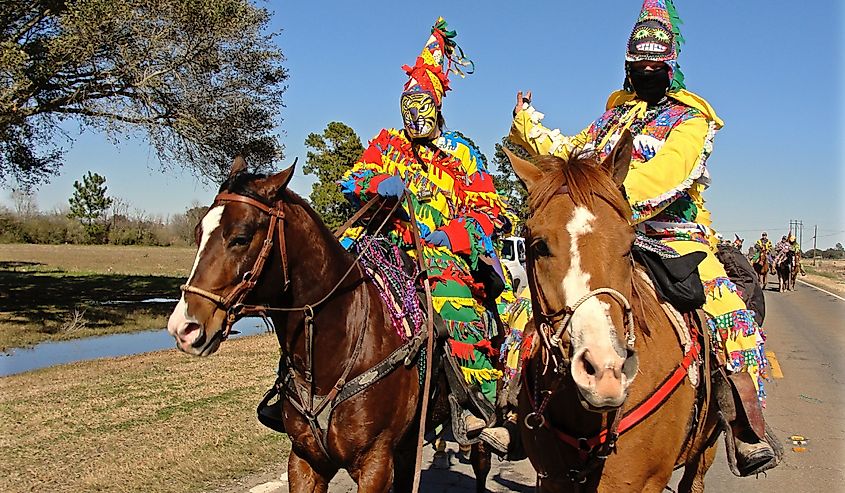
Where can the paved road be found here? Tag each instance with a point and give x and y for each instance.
(806, 333)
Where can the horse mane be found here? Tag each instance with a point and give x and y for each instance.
(242, 184)
(583, 176)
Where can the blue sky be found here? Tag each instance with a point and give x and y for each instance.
(772, 69)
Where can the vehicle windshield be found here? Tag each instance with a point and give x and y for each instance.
(507, 250)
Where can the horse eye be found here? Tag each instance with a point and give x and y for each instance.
(240, 240)
(540, 248)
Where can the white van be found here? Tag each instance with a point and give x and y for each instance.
(513, 259)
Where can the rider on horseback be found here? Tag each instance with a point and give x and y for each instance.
(782, 248)
(763, 248)
(457, 211)
(793, 243)
(673, 133)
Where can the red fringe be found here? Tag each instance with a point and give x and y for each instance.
(462, 350)
(466, 351)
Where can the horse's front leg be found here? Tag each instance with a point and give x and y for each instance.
(303, 478)
(694, 471)
(481, 461)
(374, 471)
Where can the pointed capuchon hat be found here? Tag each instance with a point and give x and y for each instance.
(657, 37)
(440, 56)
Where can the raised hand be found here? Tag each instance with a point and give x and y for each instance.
(520, 99)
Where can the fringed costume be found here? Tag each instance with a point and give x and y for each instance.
(455, 205)
(673, 137)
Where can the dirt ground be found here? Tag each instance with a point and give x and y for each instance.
(827, 274)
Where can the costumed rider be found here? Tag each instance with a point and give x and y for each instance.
(762, 247)
(457, 211)
(782, 248)
(673, 132)
(793, 242)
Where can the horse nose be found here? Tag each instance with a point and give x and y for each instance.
(602, 375)
(187, 332)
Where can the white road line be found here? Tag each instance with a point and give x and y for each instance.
(820, 289)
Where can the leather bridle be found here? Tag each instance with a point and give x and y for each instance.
(233, 302)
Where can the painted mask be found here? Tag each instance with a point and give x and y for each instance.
(651, 40)
(419, 113)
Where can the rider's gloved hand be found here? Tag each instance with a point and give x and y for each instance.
(391, 188)
(439, 238)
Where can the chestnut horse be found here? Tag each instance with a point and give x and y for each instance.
(762, 267)
(261, 244)
(606, 404)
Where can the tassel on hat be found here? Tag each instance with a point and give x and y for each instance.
(428, 73)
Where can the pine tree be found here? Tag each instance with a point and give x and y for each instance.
(332, 153)
(89, 204)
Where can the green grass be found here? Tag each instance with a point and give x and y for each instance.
(819, 272)
(39, 305)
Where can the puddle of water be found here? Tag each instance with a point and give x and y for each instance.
(150, 300)
(45, 354)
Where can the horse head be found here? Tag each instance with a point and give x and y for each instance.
(580, 267)
(240, 248)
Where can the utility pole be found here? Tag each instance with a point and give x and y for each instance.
(815, 251)
(796, 226)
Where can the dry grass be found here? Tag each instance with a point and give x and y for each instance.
(101, 259)
(828, 274)
(56, 292)
(156, 422)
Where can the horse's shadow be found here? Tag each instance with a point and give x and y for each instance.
(434, 480)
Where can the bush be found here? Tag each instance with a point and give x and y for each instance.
(11, 229)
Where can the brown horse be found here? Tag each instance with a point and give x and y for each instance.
(260, 246)
(762, 267)
(605, 404)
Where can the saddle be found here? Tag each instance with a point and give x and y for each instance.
(394, 274)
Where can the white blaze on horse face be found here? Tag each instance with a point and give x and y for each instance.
(591, 323)
(210, 223)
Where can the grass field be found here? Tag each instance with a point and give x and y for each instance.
(156, 422)
(55, 292)
(828, 274)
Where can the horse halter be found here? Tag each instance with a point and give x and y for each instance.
(233, 302)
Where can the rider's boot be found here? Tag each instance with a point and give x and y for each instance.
(753, 455)
(505, 440)
(472, 423)
(750, 445)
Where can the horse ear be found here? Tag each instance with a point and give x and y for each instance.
(274, 185)
(238, 166)
(619, 160)
(527, 172)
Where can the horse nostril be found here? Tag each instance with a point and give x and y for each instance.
(588, 367)
(190, 332)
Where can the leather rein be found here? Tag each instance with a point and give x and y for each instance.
(303, 398)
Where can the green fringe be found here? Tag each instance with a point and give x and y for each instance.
(678, 79)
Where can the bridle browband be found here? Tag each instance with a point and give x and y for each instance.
(233, 302)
